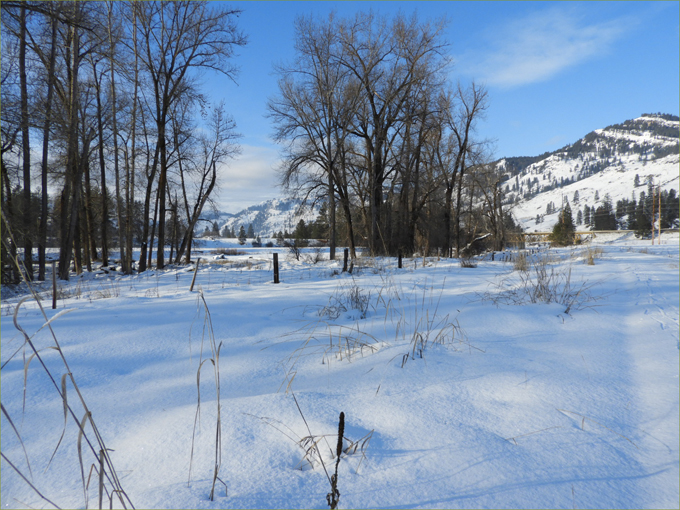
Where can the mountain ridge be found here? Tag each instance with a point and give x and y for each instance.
(606, 161)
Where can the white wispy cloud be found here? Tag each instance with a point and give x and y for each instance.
(249, 179)
(539, 46)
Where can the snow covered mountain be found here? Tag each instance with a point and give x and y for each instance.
(618, 161)
(269, 217)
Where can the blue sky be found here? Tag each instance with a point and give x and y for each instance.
(554, 72)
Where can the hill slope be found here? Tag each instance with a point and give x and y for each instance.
(606, 161)
(269, 217)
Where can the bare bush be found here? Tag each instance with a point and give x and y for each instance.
(295, 247)
(229, 251)
(467, 262)
(315, 257)
(521, 263)
(541, 282)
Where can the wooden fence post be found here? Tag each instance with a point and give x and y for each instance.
(191, 289)
(276, 268)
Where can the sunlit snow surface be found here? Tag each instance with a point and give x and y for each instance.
(523, 406)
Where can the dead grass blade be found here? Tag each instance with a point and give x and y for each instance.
(80, 454)
(361, 445)
(197, 416)
(27, 481)
(65, 401)
(514, 439)
(597, 423)
(4, 411)
(26, 364)
(312, 435)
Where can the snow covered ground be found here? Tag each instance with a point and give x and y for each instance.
(457, 390)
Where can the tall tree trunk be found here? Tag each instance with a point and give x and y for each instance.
(162, 182)
(7, 221)
(89, 221)
(153, 229)
(130, 188)
(331, 199)
(350, 227)
(77, 246)
(69, 193)
(74, 212)
(147, 213)
(114, 120)
(86, 234)
(102, 167)
(448, 206)
(44, 205)
(459, 201)
(27, 227)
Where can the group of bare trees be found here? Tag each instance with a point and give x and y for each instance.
(370, 122)
(95, 92)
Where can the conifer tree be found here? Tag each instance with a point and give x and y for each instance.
(242, 236)
(563, 231)
(643, 223)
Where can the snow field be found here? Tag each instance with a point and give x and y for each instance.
(510, 406)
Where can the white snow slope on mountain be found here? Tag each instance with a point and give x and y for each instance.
(269, 217)
(624, 151)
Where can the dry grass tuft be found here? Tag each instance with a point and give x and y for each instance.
(521, 262)
(541, 282)
(215, 361)
(89, 441)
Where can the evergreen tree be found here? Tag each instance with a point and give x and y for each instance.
(621, 208)
(280, 240)
(301, 231)
(597, 195)
(636, 182)
(630, 211)
(563, 231)
(242, 236)
(672, 207)
(576, 197)
(643, 222)
(579, 217)
(251, 232)
(604, 218)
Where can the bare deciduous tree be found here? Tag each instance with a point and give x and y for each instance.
(177, 37)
